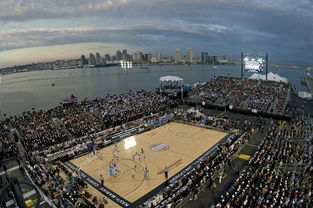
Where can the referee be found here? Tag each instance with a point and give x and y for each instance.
(166, 172)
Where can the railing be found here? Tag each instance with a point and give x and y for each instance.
(41, 193)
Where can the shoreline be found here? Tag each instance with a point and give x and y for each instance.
(11, 70)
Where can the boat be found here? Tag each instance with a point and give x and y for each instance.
(71, 99)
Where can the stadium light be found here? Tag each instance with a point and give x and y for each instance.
(260, 60)
(253, 59)
(246, 59)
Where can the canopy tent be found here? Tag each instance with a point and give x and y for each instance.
(270, 76)
(170, 78)
(171, 86)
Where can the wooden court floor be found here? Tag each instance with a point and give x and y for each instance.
(186, 143)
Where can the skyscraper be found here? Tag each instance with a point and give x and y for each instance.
(118, 55)
(178, 55)
(202, 57)
(125, 55)
(189, 55)
(83, 59)
(98, 59)
(92, 59)
(158, 56)
(148, 57)
(206, 57)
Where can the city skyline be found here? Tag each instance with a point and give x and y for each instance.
(36, 31)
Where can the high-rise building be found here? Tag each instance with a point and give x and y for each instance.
(98, 59)
(118, 55)
(189, 55)
(125, 55)
(92, 59)
(138, 57)
(107, 57)
(202, 57)
(148, 57)
(206, 57)
(178, 55)
(158, 56)
(214, 59)
(83, 59)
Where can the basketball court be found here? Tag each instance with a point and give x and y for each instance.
(174, 145)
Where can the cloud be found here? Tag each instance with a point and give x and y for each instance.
(221, 26)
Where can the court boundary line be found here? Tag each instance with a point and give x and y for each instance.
(102, 189)
(201, 126)
(125, 203)
(179, 174)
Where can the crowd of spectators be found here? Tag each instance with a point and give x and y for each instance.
(280, 173)
(75, 146)
(68, 191)
(37, 130)
(78, 118)
(214, 121)
(118, 109)
(245, 94)
(86, 117)
(7, 145)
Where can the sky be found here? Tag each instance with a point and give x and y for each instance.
(45, 30)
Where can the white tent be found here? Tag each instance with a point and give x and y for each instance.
(170, 78)
(270, 76)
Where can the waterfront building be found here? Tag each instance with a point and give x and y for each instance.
(98, 59)
(158, 56)
(92, 59)
(189, 55)
(125, 55)
(83, 60)
(178, 55)
(118, 55)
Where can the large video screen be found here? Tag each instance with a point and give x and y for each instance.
(254, 65)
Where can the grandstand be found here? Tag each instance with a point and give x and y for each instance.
(201, 149)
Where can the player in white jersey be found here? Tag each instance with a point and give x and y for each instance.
(133, 172)
(136, 157)
(116, 169)
(115, 147)
(115, 154)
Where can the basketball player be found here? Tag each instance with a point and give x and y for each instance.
(115, 154)
(133, 172)
(146, 173)
(112, 163)
(115, 146)
(116, 169)
(143, 154)
(91, 148)
(111, 171)
(136, 157)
